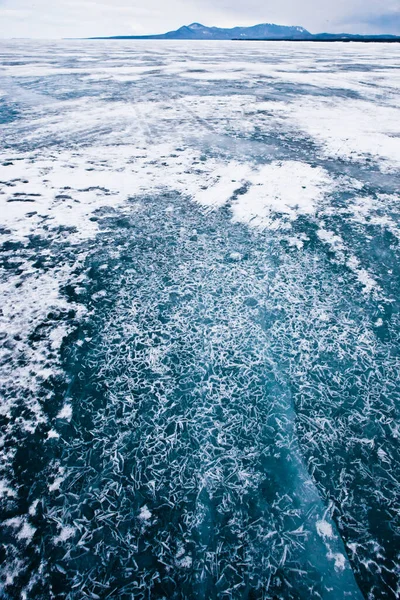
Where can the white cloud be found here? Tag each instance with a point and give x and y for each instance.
(315, 15)
(74, 18)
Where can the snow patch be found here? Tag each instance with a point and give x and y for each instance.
(65, 412)
(145, 514)
(324, 529)
(66, 532)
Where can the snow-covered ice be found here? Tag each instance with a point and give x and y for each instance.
(200, 320)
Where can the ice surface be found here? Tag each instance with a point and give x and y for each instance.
(200, 319)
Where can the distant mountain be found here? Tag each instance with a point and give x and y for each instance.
(354, 37)
(264, 31)
(196, 31)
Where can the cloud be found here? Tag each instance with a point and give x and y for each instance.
(315, 15)
(388, 22)
(81, 18)
(14, 13)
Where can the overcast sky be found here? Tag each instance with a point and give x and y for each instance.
(81, 18)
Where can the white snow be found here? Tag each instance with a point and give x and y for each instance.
(145, 514)
(65, 412)
(66, 532)
(340, 560)
(324, 529)
(291, 188)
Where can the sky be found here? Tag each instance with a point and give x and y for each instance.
(85, 18)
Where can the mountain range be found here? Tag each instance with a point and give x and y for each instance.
(263, 31)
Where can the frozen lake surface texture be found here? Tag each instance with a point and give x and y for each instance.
(199, 321)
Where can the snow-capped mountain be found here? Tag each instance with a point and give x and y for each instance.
(197, 31)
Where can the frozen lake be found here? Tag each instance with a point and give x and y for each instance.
(200, 320)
